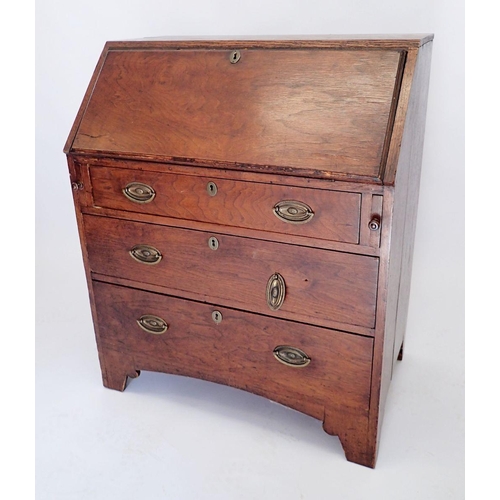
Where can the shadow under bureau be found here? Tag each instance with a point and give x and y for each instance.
(247, 212)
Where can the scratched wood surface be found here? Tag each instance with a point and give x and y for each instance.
(238, 351)
(316, 110)
(337, 124)
(322, 287)
(235, 203)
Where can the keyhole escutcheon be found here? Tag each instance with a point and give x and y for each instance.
(235, 56)
(212, 188)
(213, 243)
(217, 317)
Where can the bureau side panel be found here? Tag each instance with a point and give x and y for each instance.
(400, 202)
(85, 101)
(82, 197)
(412, 152)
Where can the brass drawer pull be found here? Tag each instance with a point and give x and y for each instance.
(291, 356)
(152, 324)
(294, 212)
(139, 192)
(374, 223)
(145, 254)
(275, 291)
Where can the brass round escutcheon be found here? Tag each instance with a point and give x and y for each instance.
(374, 223)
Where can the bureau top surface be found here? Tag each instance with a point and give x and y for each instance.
(314, 107)
(330, 40)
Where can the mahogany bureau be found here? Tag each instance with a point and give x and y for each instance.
(247, 212)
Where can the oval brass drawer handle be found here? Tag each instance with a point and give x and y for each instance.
(145, 254)
(291, 356)
(139, 192)
(152, 324)
(275, 291)
(294, 212)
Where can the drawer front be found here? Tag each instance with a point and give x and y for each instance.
(320, 286)
(237, 350)
(329, 215)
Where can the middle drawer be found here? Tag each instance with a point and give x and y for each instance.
(306, 284)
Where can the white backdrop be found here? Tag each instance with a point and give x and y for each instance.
(88, 445)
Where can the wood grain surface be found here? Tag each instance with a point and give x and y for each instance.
(237, 203)
(399, 41)
(336, 123)
(318, 110)
(237, 352)
(398, 240)
(322, 287)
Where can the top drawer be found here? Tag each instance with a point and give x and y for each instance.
(317, 213)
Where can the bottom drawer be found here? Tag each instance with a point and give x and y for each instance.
(171, 335)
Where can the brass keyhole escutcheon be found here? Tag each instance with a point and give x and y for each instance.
(235, 56)
(212, 188)
(213, 243)
(217, 317)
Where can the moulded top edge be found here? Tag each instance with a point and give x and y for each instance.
(288, 41)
